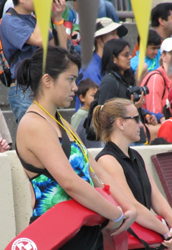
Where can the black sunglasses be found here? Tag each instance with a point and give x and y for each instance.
(136, 118)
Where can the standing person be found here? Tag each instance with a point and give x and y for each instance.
(117, 123)
(158, 82)
(20, 38)
(39, 144)
(106, 30)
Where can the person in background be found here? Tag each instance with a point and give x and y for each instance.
(117, 123)
(106, 30)
(20, 37)
(152, 57)
(40, 146)
(86, 92)
(159, 83)
(161, 22)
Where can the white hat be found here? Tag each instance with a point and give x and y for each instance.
(105, 25)
(166, 45)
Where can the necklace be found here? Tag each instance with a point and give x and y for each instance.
(76, 139)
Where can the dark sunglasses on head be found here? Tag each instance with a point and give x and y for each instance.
(136, 118)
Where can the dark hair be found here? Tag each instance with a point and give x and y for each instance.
(15, 2)
(160, 10)
(112, 48)
(85, 85)
(159, 141)
(153, 38)
(105, 115)
(29, 71)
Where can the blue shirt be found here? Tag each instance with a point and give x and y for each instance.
(93, 71)
(15, 32)
(152, 64)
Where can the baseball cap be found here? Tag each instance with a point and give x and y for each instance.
(105, 25)
(166, 45)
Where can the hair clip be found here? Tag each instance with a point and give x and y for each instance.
(101, 107)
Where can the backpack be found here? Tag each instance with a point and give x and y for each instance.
(5, 73)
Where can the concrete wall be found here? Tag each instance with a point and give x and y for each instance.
(15, 206)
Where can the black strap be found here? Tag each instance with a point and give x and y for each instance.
(145, 244)
(104, 224)
(155, 72)
(66, 145)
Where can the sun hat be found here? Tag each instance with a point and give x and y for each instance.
(166, 45)
(105, 25)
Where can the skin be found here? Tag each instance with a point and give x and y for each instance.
(103, 39)
(123, 60)
(3, 145)
(152, 51)
(165, 26)
(44, 151)
(124, 133)
(88, 98)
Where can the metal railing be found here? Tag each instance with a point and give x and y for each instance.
(123, 8)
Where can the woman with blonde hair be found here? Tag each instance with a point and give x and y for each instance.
(117, 123)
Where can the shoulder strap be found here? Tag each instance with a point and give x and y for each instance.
(155, 72)
(66, 145)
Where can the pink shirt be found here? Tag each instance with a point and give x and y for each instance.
(154, 101)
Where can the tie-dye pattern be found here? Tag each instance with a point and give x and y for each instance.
(48, 192)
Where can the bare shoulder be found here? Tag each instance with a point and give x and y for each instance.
(110, 163)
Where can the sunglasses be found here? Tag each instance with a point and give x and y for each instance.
(136, 118)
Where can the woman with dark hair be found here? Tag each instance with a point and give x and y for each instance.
(59, 172)
(117, 123)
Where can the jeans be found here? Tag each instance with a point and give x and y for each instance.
(107, 9)
(19, 101)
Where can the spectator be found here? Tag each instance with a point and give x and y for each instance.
(107, 9)
(117, 123)
(161, 22)
(159, 83)
(119, 78)
(62, 170)
(152, 55)
(86, 92)
(4, 146)
(106, 29)
(20, 38)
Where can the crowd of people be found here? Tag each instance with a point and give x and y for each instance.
(129, 112)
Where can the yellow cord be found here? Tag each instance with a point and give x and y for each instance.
(69, 131)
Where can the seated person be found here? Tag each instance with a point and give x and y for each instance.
(106, 30)
(152, 54)
(159, 82)
(86, 92)
(117, 123)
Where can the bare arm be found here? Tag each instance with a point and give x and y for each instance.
(58, 8)
(145, 217)
(41, 145)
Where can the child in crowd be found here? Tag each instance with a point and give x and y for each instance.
(152, 54)
(86, 92)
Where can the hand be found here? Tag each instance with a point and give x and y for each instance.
(139, 103)
(58, 8)
(128, 219)
(3, 145)
(151, 119)
(168, 243)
